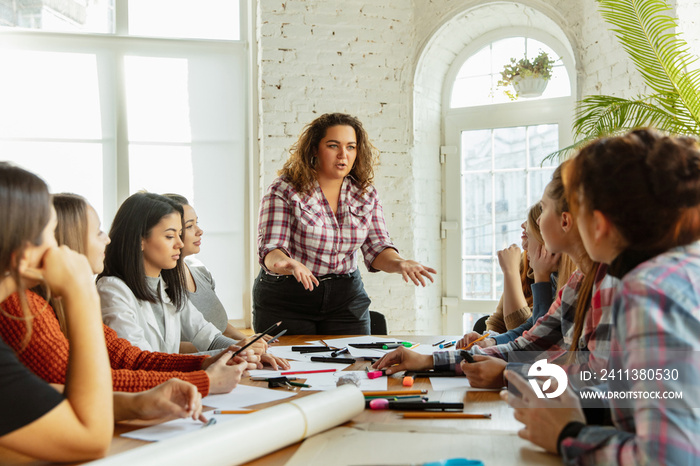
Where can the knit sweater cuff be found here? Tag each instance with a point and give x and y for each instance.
(516, 318)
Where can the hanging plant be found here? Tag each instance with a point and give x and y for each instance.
(528, 78)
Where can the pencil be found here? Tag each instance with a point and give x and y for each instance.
(478, 339)
(234, 411)
(383, 393)
(272, 327)
(307, 372)
(445, 415)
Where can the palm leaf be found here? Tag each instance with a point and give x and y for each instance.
(601, 115)
(646, 31)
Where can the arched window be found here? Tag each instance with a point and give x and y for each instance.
(494, 157)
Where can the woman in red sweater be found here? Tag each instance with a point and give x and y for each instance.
(133, 370)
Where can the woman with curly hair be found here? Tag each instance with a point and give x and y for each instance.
(315, 217)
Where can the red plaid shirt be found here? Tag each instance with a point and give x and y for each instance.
(305, 228)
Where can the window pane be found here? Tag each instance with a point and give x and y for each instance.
(193, 19)
(476, 214)
(477, 274)
(49, 95)
(539, 179)
(476, 150)
(65, 166)
(93, 16)
(543, 140)
(157, 99)
(509, 147)
(477, 80)
(510, 207)
(161, 169)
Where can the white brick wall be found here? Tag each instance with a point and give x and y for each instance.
(385, 62)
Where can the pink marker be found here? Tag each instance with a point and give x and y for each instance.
(375, 374)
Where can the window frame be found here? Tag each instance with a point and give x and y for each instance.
(110, 49)
(455, 120)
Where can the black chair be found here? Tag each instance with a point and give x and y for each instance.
(377, 323)
(480, 325)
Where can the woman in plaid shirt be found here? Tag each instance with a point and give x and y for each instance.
(313, 220)
(637, 200)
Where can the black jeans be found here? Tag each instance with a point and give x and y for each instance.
(338, 306)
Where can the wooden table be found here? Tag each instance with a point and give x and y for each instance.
(501, 428)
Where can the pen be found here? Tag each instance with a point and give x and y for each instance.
(273, 339)
(234, 411)
(299, 384)
(397, 397)
(478, 339)
(340, 351)
(273, 326)
(338, 360)
(445, 415)
(394, 392)
(307, 372)
(448, 344)
(265, 379)
(412, 405)
(441, 341)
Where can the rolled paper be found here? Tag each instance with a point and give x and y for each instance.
(254, 435)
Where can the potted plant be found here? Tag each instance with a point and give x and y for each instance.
(528, 78)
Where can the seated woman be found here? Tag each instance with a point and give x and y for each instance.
(316, 220)
(577, 323)
(637, 202)
(536, 282)
(133, 369)
(142, 287)
(200, 283)
(35, 419)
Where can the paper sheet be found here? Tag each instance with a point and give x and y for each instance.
(245, 395)
(176, 427)
(344, 446)
(250, 436)
(441, 384)
(328, 381)
(299, 366)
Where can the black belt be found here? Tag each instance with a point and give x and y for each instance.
(333, 276)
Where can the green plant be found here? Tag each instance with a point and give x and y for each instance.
(647, 32)
(541, 67)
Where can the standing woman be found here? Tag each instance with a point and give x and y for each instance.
(35, 419)
(637, 201)
(314, 219)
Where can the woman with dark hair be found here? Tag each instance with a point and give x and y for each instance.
(142, 288)
(314, 220)
(36, 419)
(200, 284)
(637, 201)
(133, 370)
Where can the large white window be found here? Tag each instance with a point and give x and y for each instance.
(494, 162)
(104, 98)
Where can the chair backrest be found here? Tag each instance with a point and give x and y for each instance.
(377, 323)
(480, 325)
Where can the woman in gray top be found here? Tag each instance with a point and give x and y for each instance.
(200, 283)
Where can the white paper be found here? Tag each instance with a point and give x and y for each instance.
(287, 353)
(328, 381)
(299, 366)
(176, 427)
(251, 436)
(245, 395)
(347, 446)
